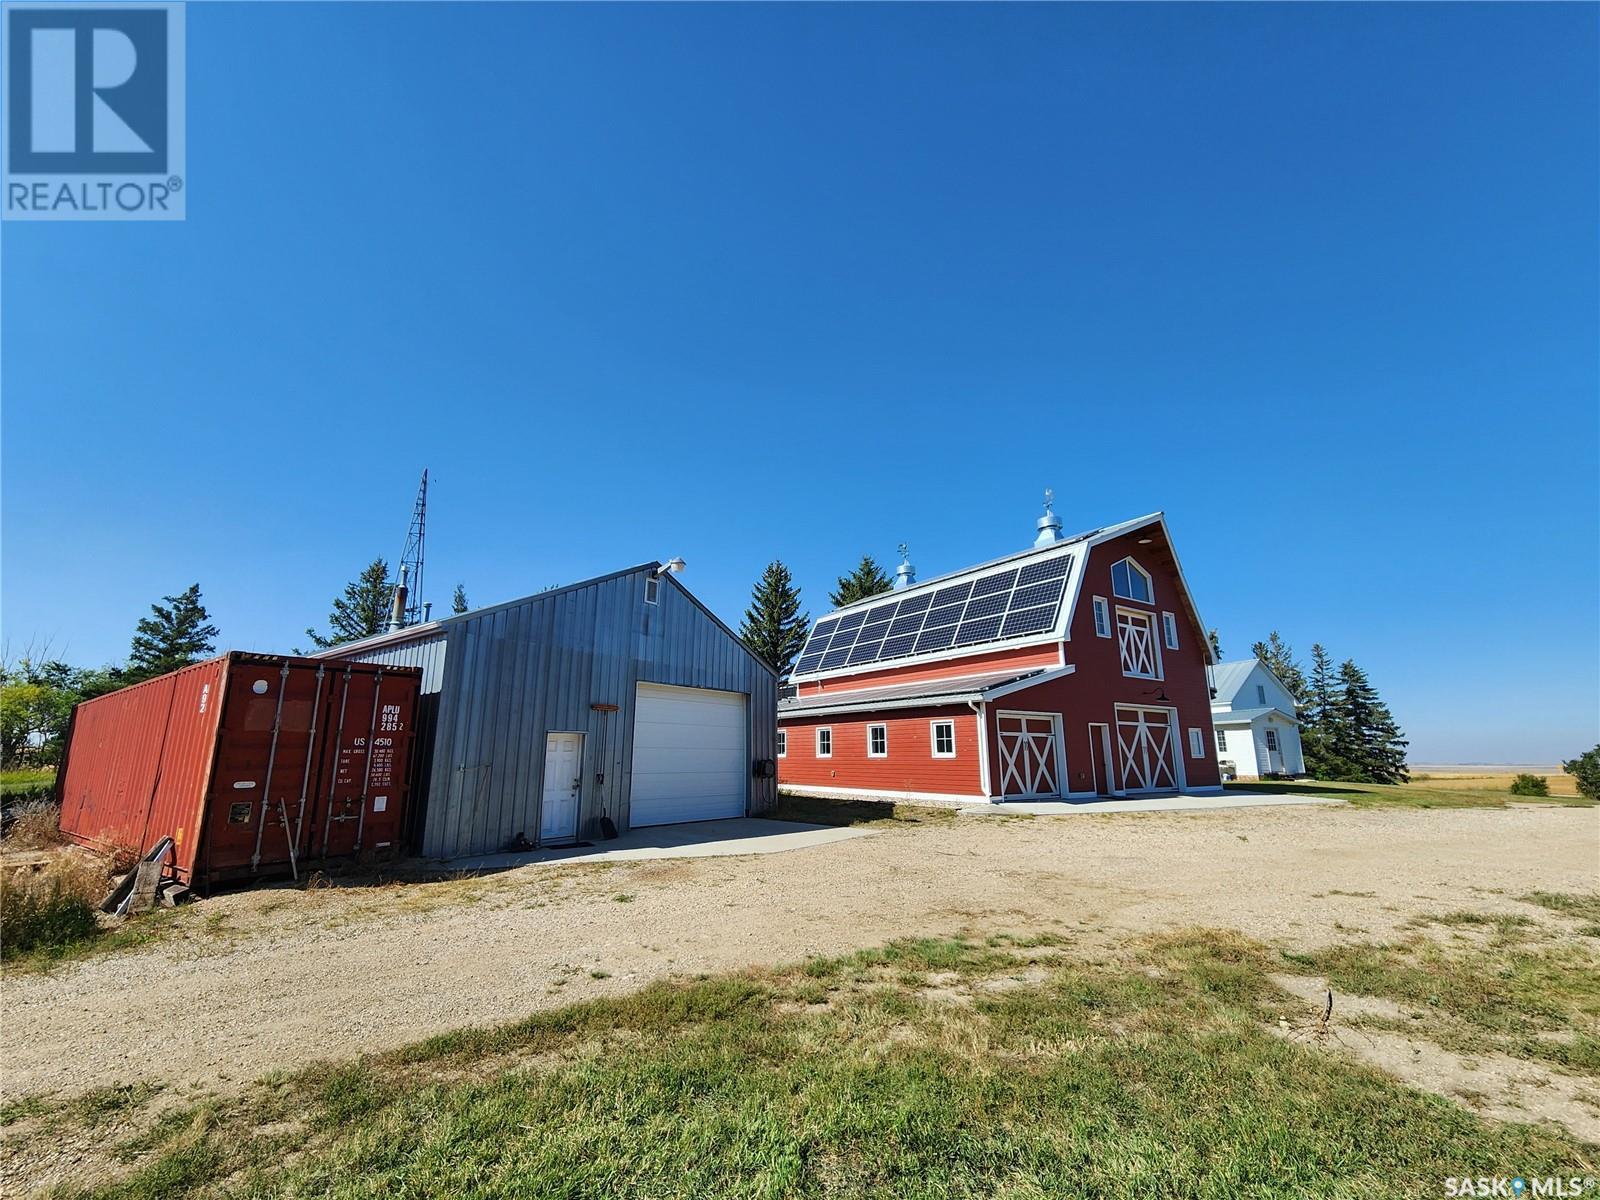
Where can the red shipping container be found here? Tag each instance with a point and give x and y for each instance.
(251, 763)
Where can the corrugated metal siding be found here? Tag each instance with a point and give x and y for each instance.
(509, 675)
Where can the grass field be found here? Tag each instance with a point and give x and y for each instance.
(1007, 1066)
(1439, 792)
(25, 781)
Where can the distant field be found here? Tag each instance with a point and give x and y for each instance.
(1495, 777)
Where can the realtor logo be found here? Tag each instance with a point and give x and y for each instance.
(94, 112)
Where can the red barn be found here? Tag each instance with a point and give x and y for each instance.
(1076, 669)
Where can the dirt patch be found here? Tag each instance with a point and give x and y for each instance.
(362, 969)
(1496, 1085)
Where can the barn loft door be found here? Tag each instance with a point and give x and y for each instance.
(1144, 735)
(1136, 641)
(1028, 761)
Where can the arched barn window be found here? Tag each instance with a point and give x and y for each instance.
(1131, 581)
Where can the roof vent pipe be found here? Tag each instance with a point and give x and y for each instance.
(1049, 525)
(397, 612)
(905, 574)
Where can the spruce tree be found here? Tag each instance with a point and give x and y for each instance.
(458, 599)
(866, 580)
(174, 635)
(774, 628)
(1319, 717)
(1367, 737)
(362, 611)
(1279, 657)
(1216, 645)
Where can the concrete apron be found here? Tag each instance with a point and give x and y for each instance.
(1175, 803)
(697, 839)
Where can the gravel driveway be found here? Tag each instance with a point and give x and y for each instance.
(272, 979)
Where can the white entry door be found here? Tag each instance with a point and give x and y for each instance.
(689, 761)
(563, 784)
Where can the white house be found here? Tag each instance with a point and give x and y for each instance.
(1253, 714)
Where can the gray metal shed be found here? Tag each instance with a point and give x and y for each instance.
(524, 740)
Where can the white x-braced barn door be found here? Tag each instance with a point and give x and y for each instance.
(1028, 762)
(1144, 736)
(1136, 640)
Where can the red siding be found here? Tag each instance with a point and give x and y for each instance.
(909, 767)
(1021, 657)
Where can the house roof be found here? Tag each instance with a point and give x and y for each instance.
(917, 693)
(1243, 716)
(1229, 677)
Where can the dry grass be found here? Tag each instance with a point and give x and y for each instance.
(47, 909)
(36, 825)
(1489, 779)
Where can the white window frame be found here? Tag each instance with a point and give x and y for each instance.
(652, 589)
(824, 729)
(1102, 617)
(1197, 743)
(783, 743)
(933, 738)
(1272, 741)
(1222, 741)
(884, 753)
(1149, 584)
(1169, 630)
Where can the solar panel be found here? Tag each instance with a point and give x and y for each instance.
(1010, 603)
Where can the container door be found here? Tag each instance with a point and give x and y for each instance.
(259, 805)
(361, 795)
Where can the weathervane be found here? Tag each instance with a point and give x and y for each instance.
(905, 553)
(1049, 499)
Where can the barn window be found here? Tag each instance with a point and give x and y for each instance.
(944, 739)
(824, 743)
(652, 589)
(1197, 744)
(1169, 630)
(877, 741)
(1102, 617)
(1222, 740)
(783, 743)
(1130, 581)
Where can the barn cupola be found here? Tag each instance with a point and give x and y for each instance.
(905, 574)
(1049, 525)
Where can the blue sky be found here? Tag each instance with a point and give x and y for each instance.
(736, 283)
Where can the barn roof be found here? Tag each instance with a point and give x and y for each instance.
(985, 686)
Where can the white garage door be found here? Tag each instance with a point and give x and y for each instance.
(689, 761)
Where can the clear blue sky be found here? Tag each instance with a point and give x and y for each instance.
(736, 283)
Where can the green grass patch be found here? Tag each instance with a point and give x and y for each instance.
(27, 782)
(1584, 907)
(926, 1068)
(1434, 793)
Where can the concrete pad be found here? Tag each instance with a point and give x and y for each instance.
(696, 839)
(1183, 802)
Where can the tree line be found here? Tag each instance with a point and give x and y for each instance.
(1347, 732)
(38, 690)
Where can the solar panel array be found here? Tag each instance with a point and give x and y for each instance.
(1006, 604)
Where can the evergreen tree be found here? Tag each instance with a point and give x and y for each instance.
(174, 635)
(1366, 736)
(458, 600)
(1216, 645)
(362, 611)
(774, 628)
(1319, 716)
(866, 580)
(1279, 657)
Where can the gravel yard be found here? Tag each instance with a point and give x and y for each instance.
(266, 980)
